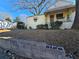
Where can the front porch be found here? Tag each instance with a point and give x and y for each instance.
(65, 15)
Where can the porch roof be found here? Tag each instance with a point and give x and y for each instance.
(59, 5)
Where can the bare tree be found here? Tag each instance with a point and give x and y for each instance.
(35, 7)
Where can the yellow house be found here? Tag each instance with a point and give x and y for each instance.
(61, 11)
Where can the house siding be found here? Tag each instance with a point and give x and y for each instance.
(31, 23)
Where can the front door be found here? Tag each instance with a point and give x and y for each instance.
(51, 19)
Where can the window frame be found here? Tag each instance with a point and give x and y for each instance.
(35, 19)
(60, 14)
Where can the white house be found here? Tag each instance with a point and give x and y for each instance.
(33, 21)
(62, 10)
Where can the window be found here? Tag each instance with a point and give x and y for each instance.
(59, 16)
(35, 19)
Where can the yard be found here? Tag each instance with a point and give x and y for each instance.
(69, 39)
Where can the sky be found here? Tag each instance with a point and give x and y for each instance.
(6, 7)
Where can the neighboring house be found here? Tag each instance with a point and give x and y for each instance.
(33, 21)
(4, 24)
(7, 25)
(22, 18)
(61, 11)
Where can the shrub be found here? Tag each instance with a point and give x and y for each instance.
(41, 26)
(56, 25)
(30, 27)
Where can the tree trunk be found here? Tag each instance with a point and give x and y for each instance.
(76, 21)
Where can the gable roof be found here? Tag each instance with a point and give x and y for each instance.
(59, 5)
